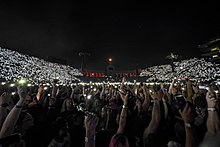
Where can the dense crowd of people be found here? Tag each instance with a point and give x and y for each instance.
(194, 68)
(56, 111)
(177, 114)
(14, 65)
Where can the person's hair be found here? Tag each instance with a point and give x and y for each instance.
(64, 108)
(119, 139)
(156, 88)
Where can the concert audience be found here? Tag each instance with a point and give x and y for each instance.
(184, 112)
(176, 114)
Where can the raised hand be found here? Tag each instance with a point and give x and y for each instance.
(122, 83)
(124, 97)
(11, 119)
(4, 98)
(22, 92)
(211, 100)
(123, 79)
(145, 90)
(138, 104)
(90, 122)
(40, 88)
(195, 89)
(39, 91)
(157, 96)
(136, 91)
(186, 114)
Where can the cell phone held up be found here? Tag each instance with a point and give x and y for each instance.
(180, 101)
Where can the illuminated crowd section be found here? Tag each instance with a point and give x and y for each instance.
(18, 67)
(15, 66)
(197, 69)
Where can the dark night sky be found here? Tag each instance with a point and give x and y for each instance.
(131, 33)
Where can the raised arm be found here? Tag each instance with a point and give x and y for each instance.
(3, 107)
(11, 119)
(135, 88)
(72, 93)
(156, 117)
(55, 90)
(90, 122)
(102, 92)
(213, 124)
(39, 92)
(53, 97)
(189, 90)
(186, 115)
(122, 83)
(146, 102)
(171, 87)
(123, 116)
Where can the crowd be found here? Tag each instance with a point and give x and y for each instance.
(180, 113)
(198, 69)
(56, 111)
(14, 65)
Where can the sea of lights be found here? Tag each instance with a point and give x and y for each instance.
(15, 66)
(194, 68)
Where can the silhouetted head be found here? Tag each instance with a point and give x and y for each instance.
(119, 140)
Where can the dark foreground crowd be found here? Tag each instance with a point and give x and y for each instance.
(139, 115)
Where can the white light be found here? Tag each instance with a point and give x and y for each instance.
(89, 97)
(12, 85)
(13, 93)
(29, 85)
(3, 83)
(33, 68)
(198, 68)
(45, 88)
(22, 81)
(94, 89)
